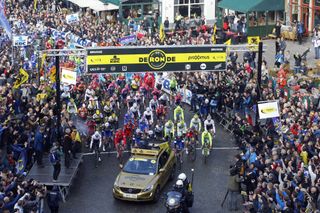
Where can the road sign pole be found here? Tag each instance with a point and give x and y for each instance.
(259, 81)
(58, 98)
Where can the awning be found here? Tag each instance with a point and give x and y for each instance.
(245, 6)
(98, 5)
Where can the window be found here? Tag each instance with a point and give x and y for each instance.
(271, 17)
(189, 8)
(147, 9)
(126, 11)
(163, 160)
(136, 11)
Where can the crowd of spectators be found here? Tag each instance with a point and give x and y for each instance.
(279, 168)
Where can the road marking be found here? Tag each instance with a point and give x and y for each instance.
(115, 152)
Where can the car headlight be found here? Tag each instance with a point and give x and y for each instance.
(148, 189)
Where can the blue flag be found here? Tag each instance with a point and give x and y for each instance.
(3, 21)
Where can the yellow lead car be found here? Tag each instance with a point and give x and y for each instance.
(145, 173)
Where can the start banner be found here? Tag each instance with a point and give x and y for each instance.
(167, 59)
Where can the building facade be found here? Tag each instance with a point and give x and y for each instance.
(305, 11)
(189, 8)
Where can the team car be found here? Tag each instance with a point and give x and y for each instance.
(145, 173)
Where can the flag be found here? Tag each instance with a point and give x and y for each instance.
(161, 33)
(3, 20)
(228, 42)
(35, 4)
(52, 74)
(21, 163)
(22, 78)
(213, 39)
(214, 29)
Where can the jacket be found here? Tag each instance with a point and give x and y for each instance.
(234, 183)
(38, 142)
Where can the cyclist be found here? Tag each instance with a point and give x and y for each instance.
(196, 123)
(148, 115)
(106, 135)
(96, 142)
(209, 125)
(135, 111)
(173, 85)
(178, 99)
(98, 117)
(206, 138)
(181, 128)
(153, 104)
(143, 125)
(161, 112)
(190, 136)
(178, 114)
(164, 99)
(128, 118)
(119, 141)
(169, 129)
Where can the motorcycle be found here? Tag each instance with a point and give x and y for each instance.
(174, 202)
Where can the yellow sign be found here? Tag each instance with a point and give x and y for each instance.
(253, 42)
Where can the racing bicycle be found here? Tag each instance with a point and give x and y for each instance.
(205, 150)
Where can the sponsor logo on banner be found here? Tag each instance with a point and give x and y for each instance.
(188, 66)
(68, 76)
(268, 110)
(203, 66)
(73, 18)
(253, 42)
(115, 60)
(20, 41)
(185, 93)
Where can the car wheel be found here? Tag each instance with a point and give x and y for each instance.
(173, 173)
(156, 194)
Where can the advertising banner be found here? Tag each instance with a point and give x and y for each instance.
(268, 110)
(20, 41)
(68, 76)
(167, 59)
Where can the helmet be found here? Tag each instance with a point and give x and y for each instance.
(182, 177)
(206, 101)
(196, 116)
(96, 134)
(155, 97)
(148, 109)
(209, 117)
(179, 184)
(107, 124)
(134, 105)
(150, 132)
(97, 112)
(138, 131)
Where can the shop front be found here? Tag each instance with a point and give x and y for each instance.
(305, 11)
(260, 16)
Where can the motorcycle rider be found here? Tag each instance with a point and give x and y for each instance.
(96, 142)
(206, 138)
(179, 187)
(209, 125)
(186, 182)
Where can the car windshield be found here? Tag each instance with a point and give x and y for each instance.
(141, 166)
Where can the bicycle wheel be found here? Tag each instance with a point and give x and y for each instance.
(194, 153)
